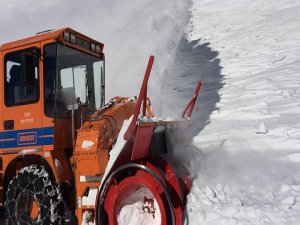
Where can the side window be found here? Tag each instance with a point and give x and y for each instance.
(21, 77)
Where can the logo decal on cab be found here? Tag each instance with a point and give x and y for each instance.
(28, 138)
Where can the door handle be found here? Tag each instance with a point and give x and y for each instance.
(9, 124)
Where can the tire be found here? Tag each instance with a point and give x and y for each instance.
(33, 199)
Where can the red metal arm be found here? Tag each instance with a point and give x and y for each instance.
(191, 104)
(142, 97)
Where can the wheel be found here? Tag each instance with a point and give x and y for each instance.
(33, 199)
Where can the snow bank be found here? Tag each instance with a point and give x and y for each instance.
(245, 158)
(258, 46)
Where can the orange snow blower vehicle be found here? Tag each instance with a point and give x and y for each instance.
(66, 157)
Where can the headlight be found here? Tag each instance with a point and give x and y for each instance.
(97, 49)
(93, 47)
(66, 36)
(73, 39)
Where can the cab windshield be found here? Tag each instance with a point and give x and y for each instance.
(72, 79)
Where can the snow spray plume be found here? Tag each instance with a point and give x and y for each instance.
(194, 61)
(131, 31)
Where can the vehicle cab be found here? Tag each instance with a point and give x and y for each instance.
(50, 84)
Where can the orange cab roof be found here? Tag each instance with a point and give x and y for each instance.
(47, 35)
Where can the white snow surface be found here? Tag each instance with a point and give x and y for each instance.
(89, 200)
(244, 146)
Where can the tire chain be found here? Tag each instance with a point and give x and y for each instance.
(35, 179)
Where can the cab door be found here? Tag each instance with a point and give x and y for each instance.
(22, 116)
